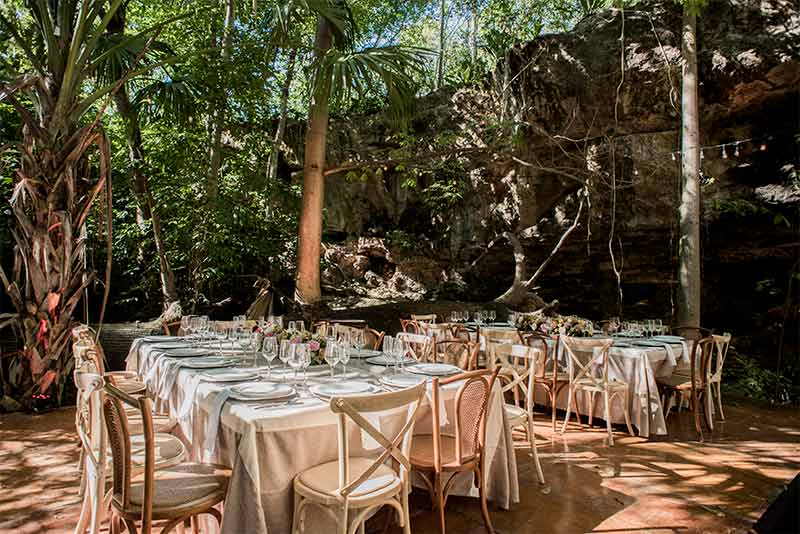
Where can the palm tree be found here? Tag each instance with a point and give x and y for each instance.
(63, 168)
(338, 71)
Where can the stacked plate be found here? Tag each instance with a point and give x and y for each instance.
(161, 339)
(669, 339)
(385, 359)
(401, 380)
(433, 369)
(648, 343)
(186, 352)
(230, 375)
(342, 389)
(363, 353)
(166, 345)
(208, 362)
(262, 391)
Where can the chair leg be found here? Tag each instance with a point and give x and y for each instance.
(343, 520)
(296, 514)
(83, 518)
(626, 411)
(439, 500)
(708, 407)
(406, 512)
(569, 404)
(487, 521)
(607, 414)
(551, 398)
(534, 452)
(592, 399)
(195, 526)
(718, 390)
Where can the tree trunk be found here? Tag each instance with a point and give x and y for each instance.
(276, 143)
(689, 281)
(473, 34)
(519, 289)
(440, 59)
(307, 288)
(218, 116)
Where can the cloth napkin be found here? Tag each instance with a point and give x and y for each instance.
(214, 416)
(670, 354)
(171, 370)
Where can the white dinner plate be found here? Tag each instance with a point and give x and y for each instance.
(383, 359)
(402, 380)
(171, 345)
(161, 339)
(669, 339)
(433, 369)
(262, 391)
(364, 353)
(229, 375)
(208, 362)
(648, 343)
(341, 389)
(621, 345)
(187, 352)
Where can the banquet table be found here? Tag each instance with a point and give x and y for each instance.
(267, 446)
(637, 365)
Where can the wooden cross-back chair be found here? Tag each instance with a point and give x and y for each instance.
(86, 347)
(436, 454)
(721, 345)
(697, 385)
(591, 375)
(463, 354)
(94, 458)
(424, 318)
(420, 346)
(549, 375)
(179, 493)
(411, 326)
(459, 331)
(373, 338)
(518, 365)
(352, 487)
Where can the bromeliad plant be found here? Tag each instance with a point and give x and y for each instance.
(62, 169)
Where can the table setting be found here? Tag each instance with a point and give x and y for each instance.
(264, 412)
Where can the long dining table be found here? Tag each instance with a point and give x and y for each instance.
(639, 362)
(267, 445)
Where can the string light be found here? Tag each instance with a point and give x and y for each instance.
(760, 141)
(736, 152)
(724, 153)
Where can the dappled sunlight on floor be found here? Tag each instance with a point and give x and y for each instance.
(667, 484)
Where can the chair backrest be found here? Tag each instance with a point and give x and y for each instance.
(119, 439)
(539, 342)
(395, 448)
(700, 361)
(85, 347)
(419, 345)
(459, 331)
(691, 332)
(463, 354)
(426, 318)
(373, 338)
(343, 329)
(587, 368)
(89, 422)
(518, 365)
(721, 344)
(411, 326)
(470, 407)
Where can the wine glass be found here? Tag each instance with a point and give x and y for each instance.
(269, 349)
(285, 348)
(344, 356)
(400, 350)
(300, 325)
(292, 326)
(331, 353)
(295, 359)
(304, 354)
(492, 315)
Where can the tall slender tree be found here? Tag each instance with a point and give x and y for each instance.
(689, 259)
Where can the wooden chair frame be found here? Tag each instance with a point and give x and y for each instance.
(518, 365)
(420, 345)
(411, 326)
(584, 376)
(721, 345)
(465, 353)
(375, 337)
(395, 450)
(425, 318)
(469, 460)
(699, 382)
(556, 381)
(123, 512)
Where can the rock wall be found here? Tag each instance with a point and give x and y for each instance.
(561, 113)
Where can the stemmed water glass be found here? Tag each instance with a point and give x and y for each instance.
(269, 349)
(296, 357)
(344, 356)
(400, 349)
(491, 315)
(305, 360)
(331, 353)
(285, 349)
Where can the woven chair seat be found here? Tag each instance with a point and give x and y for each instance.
(183, 487)
(323, 480)
(162, 423)
(678, 382)
(516, 415)
(422, 452)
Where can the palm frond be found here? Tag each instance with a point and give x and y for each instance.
(337, 13)
(161, 99)
(390, 68)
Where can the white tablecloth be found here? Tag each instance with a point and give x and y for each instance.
(266, 448)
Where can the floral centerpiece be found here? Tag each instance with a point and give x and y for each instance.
(570, 325)
(316, 342)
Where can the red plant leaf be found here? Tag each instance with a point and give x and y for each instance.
(52, 302)
(46, 380)
(41, 333)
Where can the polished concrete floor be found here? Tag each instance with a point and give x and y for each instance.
(667, 484)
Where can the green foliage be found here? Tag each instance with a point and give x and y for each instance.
(747, 376)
